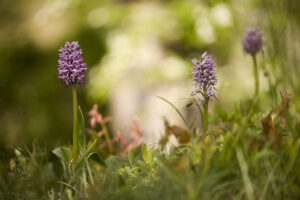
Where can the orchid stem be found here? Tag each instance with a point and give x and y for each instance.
(205, 114)
(75, 132)
(256, 76)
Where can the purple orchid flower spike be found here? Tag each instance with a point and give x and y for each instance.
(252, 41)
(204, 77)
(71, 68)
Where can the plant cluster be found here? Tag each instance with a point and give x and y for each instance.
(235, 155)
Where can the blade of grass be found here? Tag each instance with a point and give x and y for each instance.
(293, 159)
(81, 131)
(200, 111)
(69, 185)
(270, 177)
(184, 120)
(89, 170)
(245, 175)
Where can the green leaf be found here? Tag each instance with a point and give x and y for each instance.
(64, 154)
(97, 158)
(134, 154)
(89, 148)
(147, 154)
(81, 131)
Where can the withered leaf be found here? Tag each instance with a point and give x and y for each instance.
(270, 131)
(180, 133)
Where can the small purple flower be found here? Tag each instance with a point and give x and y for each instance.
(252, 41)
(204, 77)
(71, 68)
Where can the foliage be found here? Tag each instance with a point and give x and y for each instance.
(240, 158)
(251, 149)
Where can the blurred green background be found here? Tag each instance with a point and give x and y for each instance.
(134, 50)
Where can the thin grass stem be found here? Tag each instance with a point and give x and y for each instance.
(184, 120)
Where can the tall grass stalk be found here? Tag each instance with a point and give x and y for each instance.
(245, 175)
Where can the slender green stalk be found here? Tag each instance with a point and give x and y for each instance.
(184, 120)
(255, 100)
(205, 114)
(201, 115)
(75, 132)
(256, 76)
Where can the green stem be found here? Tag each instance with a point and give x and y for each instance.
(75, 132)
(255, 76)
(255, 100)
(205, 114)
